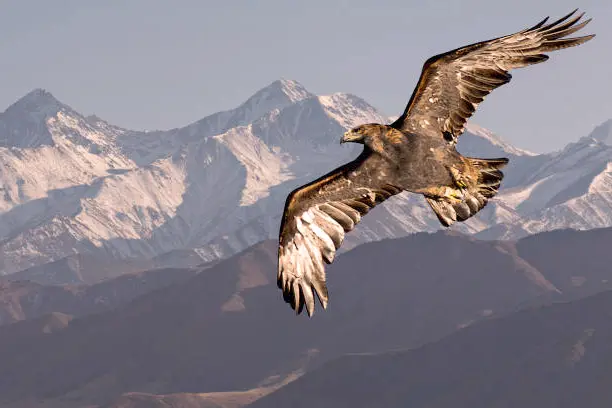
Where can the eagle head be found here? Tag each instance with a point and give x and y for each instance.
(363, 134)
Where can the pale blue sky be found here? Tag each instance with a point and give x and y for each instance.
(157, 64)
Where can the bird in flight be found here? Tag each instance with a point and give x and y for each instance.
(416, 153)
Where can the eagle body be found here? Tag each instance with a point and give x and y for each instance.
(416, 153)
(390, 157)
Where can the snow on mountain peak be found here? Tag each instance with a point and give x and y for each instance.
(603, 133)
(277, 95)
(23, 124)
(291, 88)
(39, 119)
(349, 110)
(37, 101)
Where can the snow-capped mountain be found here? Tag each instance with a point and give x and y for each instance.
(77, 184)
(571, 188)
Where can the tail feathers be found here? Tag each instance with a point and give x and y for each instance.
(489, 174)
(488, 163)
(460, 204)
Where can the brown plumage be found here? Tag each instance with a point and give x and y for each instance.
(416, 153)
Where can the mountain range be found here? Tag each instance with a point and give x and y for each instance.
(550, 357)
(78, 185)
(224, 332)
(25, 299)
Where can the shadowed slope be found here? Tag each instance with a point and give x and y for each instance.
(554, 357)
(226, 329)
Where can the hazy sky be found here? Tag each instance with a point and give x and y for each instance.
(158, 64)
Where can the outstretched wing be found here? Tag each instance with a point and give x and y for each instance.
(316, 217)
(453, 84)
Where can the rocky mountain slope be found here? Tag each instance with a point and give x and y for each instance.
(551, 357)
(23, 300)
(227, 328)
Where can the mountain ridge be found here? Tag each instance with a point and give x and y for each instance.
(183, 337)
(551, 356)
(76, 184)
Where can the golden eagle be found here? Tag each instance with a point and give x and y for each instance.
(416, 153)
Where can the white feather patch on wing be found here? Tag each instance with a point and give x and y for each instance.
(319, 233)
(316, 240)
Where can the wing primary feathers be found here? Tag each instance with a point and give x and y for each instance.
(538, 25)
(568, 31)
(358, 205)
(313, 229)
(471, 72)
(349, 211)
(344, 220)
(565, 43)
(562, 19)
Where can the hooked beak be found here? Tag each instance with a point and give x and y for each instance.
(350, 136)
